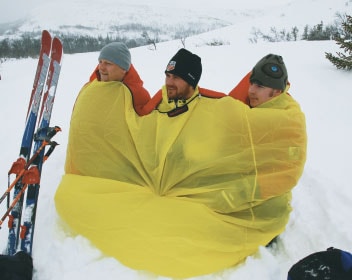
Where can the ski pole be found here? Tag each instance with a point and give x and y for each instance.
(16, 199)
(30, 176)
(19, 167)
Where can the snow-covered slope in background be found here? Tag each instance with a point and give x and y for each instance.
(109, 17)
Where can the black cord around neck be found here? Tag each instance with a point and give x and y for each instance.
(179, 110)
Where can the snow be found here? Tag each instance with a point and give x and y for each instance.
(321, 200)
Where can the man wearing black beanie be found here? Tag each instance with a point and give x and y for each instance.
(188, 67)
(183, 73)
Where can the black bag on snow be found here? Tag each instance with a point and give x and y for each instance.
(16, 267)
(332, 264)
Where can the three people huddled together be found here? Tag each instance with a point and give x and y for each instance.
(188, 181)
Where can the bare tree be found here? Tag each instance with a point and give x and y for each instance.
(151, 41)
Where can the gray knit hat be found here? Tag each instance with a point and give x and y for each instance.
(271, 72)
(117, 53)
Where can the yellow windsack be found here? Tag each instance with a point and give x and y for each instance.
(181, 196)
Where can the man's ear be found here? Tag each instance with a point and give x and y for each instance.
(277, 92)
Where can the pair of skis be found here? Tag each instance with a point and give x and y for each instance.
(21, 213)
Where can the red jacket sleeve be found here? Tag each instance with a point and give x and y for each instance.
(240, 91)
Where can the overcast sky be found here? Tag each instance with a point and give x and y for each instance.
(11, 10)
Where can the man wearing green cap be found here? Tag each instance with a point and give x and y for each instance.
(268, 80)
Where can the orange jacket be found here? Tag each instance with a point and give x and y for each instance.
(240, 92)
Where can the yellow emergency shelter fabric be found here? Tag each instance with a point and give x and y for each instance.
(177, 196)
(279, 137)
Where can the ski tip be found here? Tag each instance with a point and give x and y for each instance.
(57, 49)
(46, 34)
(57, 40)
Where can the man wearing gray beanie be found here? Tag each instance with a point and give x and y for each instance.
(114, 62)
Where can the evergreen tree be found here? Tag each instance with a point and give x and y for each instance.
(305, 33)
(343, 60)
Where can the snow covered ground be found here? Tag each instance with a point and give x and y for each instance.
(321, 201)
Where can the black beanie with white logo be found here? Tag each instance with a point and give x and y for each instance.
(186, 65)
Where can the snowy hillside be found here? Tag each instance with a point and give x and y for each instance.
(121, 18)
(322, 199)
(112, 18)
